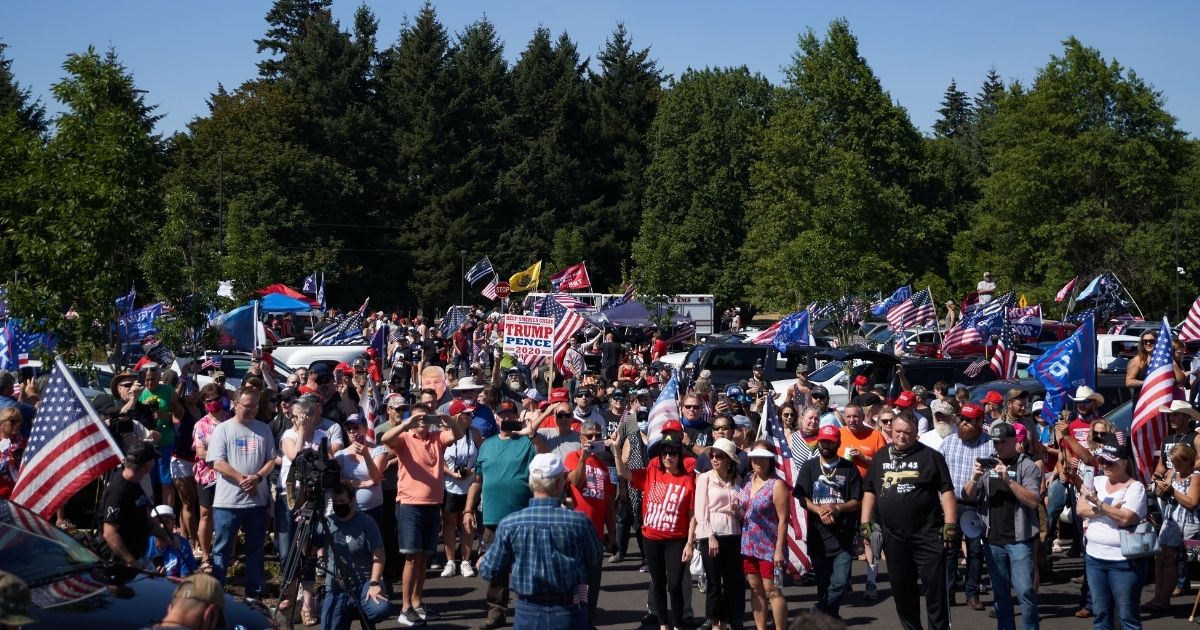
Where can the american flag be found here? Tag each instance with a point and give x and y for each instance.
(682, 333)
(664, 409)
(974, 328)
(567, 322)
(68, 447)
(489, 289)
(1004, 358)
(455, 316)
(797, 561)
(1190, 329)
(343, 331)
(767, 337)
(70, 589)
(912, 312)
(975, 368)
(1065, 292)
(898, 296)
(1149, 426)
(211, 362)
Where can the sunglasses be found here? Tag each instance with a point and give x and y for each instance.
(691, 406)
(1148, 341)
(1104, 463)
(721, 427)
(788, 415)
(819, 397)
(885, 421)
(592, 436)
(673, 452)
(562, 414)
(584, 396)
(1099, 435)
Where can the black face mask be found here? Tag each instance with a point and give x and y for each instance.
(511, 426)
(342, 509)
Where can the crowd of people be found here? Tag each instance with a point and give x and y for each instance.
(533, 479)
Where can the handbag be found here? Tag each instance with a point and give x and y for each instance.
(1139, 541)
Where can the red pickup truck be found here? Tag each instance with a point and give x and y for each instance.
(1052, 332)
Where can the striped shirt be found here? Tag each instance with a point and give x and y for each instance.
(548, 547)
(960, 458)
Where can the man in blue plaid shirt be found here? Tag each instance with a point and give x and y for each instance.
(549, 549)
(961, 450)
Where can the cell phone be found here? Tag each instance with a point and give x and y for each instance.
(987, 463)
(597, 446)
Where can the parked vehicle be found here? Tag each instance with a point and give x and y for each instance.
(307, 356)
(67, 583)
(1052, 333)
(732, 362)
(235, 365)
(1108, 384)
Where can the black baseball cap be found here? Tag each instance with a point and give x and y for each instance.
(140, 453)
(1112, 450)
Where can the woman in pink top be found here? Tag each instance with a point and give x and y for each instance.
(719, 531)
(212, 398)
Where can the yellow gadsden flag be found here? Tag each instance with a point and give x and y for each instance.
(527, 280)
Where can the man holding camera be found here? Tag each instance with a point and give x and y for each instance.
(961, 450)
(242, 451)
(1009, 490)
(593, 493)
(419, 443)
(353, 549)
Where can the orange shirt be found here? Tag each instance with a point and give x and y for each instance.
(419, 475)
(868, 442)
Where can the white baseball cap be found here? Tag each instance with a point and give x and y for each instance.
(546, 465)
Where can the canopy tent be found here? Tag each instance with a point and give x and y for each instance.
(285, 290)
(280, 303)
(634, 314)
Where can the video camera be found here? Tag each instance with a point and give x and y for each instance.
(311, 474)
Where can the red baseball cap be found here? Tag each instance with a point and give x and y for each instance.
(461, 406)
(829, 432)
(906, 399)
(558, 395)
(972, 411)
(672, 425)
(861, 379)
(994, 397)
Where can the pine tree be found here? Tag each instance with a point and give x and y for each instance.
(289, 24)
(987, 101)
(624, 100)
(31, 114)
(955, 114)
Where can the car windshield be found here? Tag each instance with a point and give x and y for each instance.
(33, 549)
(882, 335)
(825, 372)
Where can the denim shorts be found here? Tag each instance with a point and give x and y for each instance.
(417, 528)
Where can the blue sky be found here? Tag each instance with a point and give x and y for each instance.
(180, 51)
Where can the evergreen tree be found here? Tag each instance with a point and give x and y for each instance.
(1085, 166)
(987, 101)
(624, 100)
(955, 114)
(13, 98)
(289, 24)
(835, 206)
(97, 196)
(702, 144)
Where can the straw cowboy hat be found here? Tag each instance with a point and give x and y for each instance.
(1084, 393)
(1181, 406)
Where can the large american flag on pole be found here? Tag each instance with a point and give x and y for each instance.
(1004, 358)
(913, 311)
(567, 322)
(1190, 329)
(68, 447)
(786, 468)
(1149, 426)
(489, 290)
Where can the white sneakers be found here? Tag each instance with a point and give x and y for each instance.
(464, 568)
(467, 569)
(449, 570)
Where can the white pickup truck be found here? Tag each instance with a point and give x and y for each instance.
(296, 357)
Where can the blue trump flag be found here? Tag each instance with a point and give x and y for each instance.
(794, 329)
(235, 329)
(900, 295)
(139, 323)
(1063, 368)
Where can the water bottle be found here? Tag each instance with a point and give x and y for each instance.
(779, 575)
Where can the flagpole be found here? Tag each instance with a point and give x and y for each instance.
(1135, 304)
(462, 275)
(937, 323)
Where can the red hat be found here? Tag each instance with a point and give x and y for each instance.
(829, 432)
(651, 380)
(861, 379)
(672, 425)
(558, 395)
(906, 399)
(343, 367)
(305, 390)
(461, 406)
(971, 411)
(994, 397)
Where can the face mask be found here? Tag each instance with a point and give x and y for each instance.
(644, 426)
(341, 509)
(213, 406)
(511, 426)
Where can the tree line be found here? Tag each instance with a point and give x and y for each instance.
(386, 168)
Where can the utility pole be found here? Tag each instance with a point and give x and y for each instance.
(1178, 269)
(462, 273)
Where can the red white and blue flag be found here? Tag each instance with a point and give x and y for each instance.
(68, 447)
(1065, 292)
(664, 409)
(914, 311)
(767, 337)
(1004, 358)
(1190, 329)
(1149, 426)
(567, 322)
(489, 289)
(796, 559)
(572, 278)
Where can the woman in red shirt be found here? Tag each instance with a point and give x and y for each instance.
(668, 527)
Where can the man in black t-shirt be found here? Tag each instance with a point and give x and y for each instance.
(831, 490)
(610, 357)
(125, 509)
(910, 485)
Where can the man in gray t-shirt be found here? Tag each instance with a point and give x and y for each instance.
(242, 451)
(561, 440)
(353, 548)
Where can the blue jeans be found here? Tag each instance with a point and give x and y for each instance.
(1115, 584)
(833, 576)
(340, 607)
(1057, 502)
(974, 564)
(1011, 566)
(252, 522)
(283, 527)
(531, 616)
